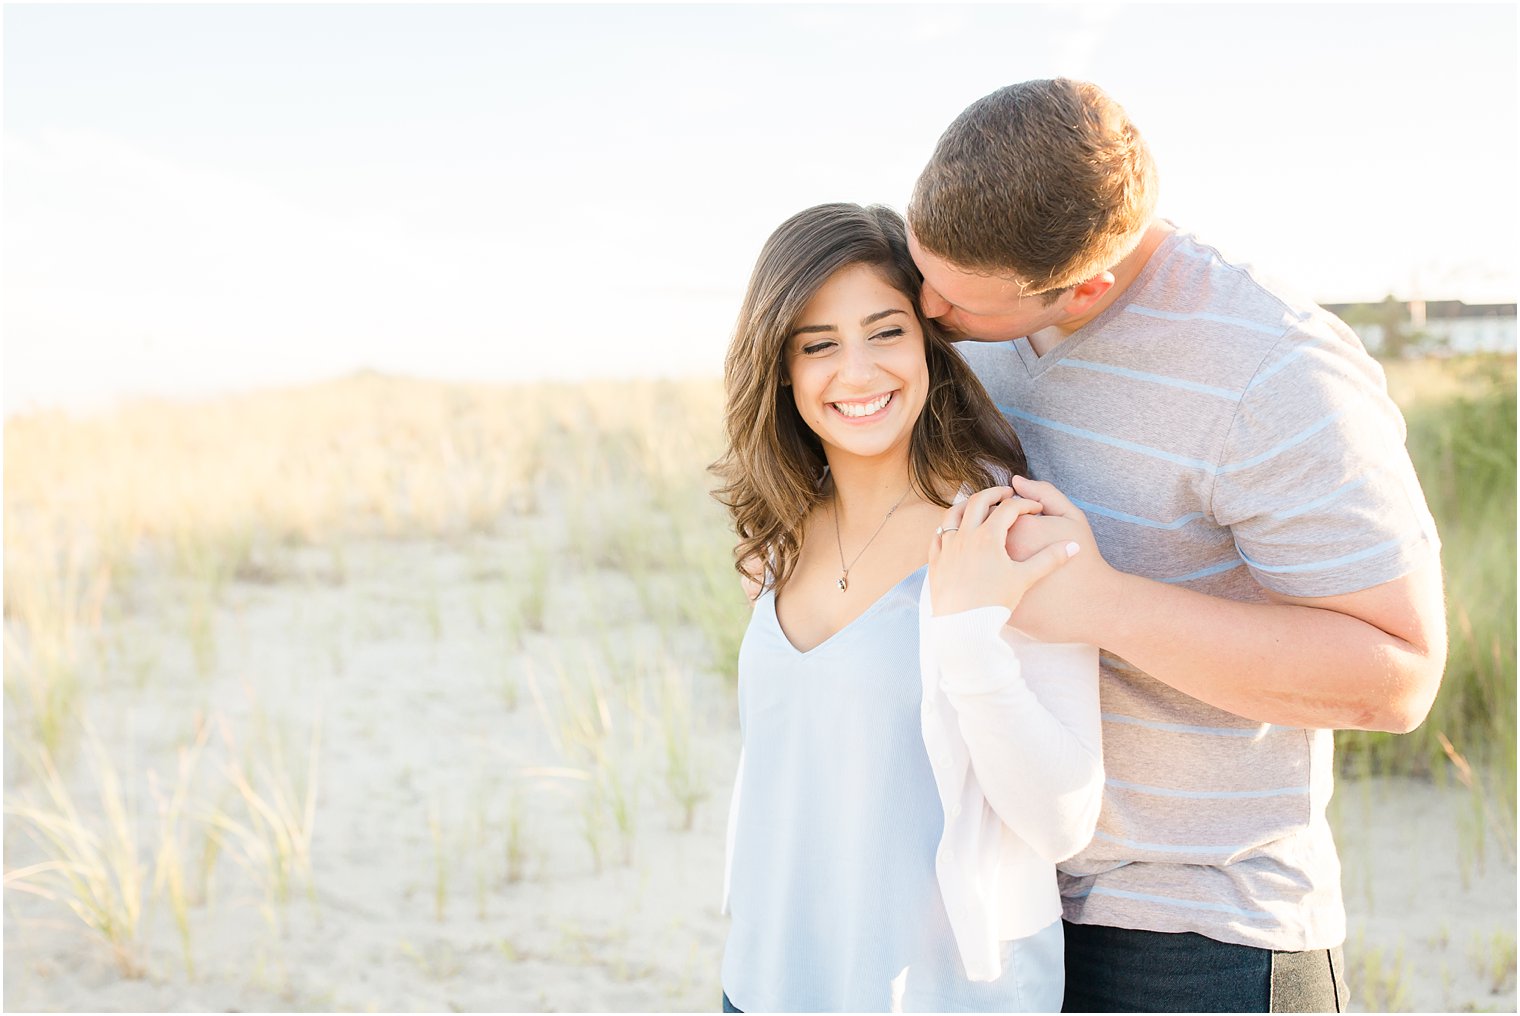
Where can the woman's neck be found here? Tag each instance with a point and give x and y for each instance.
(867, 487)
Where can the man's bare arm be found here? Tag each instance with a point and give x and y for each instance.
(1369, 660)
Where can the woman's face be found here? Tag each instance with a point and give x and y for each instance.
(857, 365)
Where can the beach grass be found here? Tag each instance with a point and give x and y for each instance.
(93, 862)
(139, 543)
(1461, 421)
(220, 490)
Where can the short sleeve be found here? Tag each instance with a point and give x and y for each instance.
(1314, 481)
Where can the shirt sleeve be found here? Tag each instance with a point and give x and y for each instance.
(1031, 725)
(1314, 480)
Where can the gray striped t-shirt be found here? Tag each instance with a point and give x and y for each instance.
(1226, 437)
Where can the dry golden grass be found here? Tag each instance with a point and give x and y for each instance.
(600, 491)
(164, 507)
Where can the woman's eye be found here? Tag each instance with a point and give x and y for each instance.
(815, 347)
(890, 333)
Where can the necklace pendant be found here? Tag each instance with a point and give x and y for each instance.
(845, 566)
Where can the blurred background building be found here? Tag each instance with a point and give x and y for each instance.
(1430, 327)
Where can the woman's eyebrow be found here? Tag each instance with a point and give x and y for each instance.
(865, 322)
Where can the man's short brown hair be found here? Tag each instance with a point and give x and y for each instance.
(1046, 181)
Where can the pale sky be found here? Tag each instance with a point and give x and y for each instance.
(209, 198)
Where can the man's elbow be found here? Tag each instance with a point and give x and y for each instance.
(1408, 713)
(1398, 718)
(1387, 673)
(1405, 710)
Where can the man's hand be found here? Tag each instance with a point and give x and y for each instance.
(969, 565)
(1056, 612)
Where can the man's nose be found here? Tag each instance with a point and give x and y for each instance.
(934, 305)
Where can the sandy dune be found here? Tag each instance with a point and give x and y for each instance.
(431, 740)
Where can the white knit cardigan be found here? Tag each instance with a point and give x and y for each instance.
(1014, 739)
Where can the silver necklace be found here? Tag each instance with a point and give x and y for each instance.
(844, 569)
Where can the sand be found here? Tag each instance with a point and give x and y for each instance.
(431, 741)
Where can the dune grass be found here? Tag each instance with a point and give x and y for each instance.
(93, 865)
(270, 836)
(162, 511)
(1461, 419)
(214, 491)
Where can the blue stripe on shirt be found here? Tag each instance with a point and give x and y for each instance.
(1202, 254)
(1308, 506)
(1278, 449)
(1153, 452)
(1160, 379)
(1334, 562)
(1207, 795)
(1298, 351)
(1111, 513)
(1221, 908)
(1223, 319)
(1090, 435)
(1203, 573)
(1222, 849)
(1183, 728)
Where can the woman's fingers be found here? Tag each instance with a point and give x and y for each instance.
(1055, 502)
(952, 519)
(1047, 560)
(1003, 516)
(980, 504)
(975, 509)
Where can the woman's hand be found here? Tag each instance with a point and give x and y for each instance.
(969, 564)
(1071, 605)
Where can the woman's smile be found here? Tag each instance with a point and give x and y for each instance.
(865, 410)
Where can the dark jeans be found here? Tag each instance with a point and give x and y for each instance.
(729, 1006)
(1122, 970)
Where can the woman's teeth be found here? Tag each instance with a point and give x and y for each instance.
(858, 409)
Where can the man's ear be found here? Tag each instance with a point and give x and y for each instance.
(1085, 294)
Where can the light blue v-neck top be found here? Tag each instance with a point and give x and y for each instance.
(833, 892)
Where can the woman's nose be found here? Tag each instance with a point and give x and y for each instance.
(859, 364)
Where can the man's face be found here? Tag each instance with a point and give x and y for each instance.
(980, 307)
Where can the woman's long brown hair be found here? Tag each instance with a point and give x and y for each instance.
(772, 468)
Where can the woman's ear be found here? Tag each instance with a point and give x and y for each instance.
(786, 382)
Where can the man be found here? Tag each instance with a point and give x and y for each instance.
(1268, 568)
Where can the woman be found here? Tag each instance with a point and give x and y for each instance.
(912, 768)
